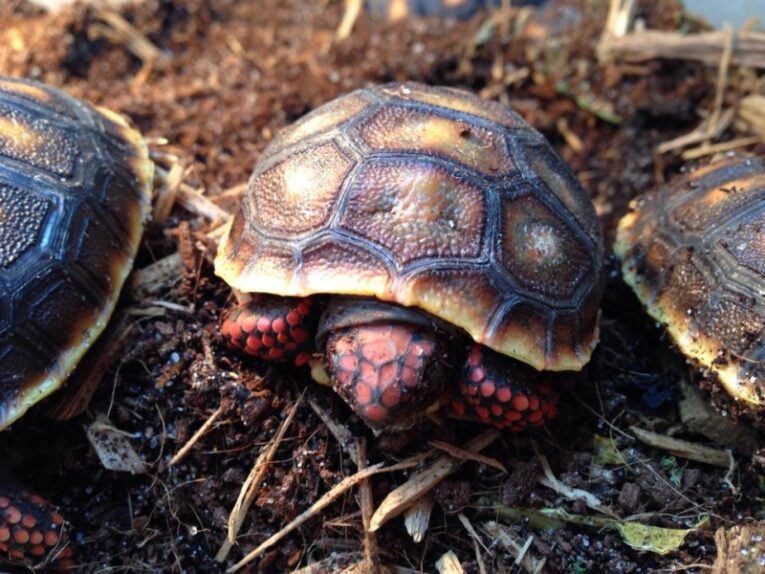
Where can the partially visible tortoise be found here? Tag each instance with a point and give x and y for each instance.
(75, 190)
(440, 238)
(694, 252)
(394, 10)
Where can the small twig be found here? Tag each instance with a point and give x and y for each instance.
(477, 542)
(463, 454)
(684, 448)
(399, 499)
(252, 483)
(328, 498)
(353, 9)
(343, 436)
(181, 454)
(366, 503)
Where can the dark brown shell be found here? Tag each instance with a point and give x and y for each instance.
(694, 252)
(433, 198)
(75, 189)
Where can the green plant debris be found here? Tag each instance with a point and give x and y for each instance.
(656, 539)
(606, 451)
(672, 468)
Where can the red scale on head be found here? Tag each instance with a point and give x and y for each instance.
(503, 391)
(388, 373)
(273, 328)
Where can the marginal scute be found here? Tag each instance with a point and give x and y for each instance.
(731, 320)
(539, 251)
(37, 95)
(416, 209)
(561, 181)
(701, 210)
(521, 333)
(441, 292)
(320, 120)
(411, 130)
(57, 299)
(298, 194)
(365, 272)
(21, 219)
(459, 100)
(37, 141)
(744, 241)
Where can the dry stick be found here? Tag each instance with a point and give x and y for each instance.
(343, 436)
(705, 150)
(251, 484)
(352, 12)
(399, 499)
(366, 502)
(706, 47)
(181, 454)
(199, 204)
(338, 490)
(684, 448)
(477, 542)
(463, 454)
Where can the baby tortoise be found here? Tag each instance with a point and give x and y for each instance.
(694, 252)
(406, 232)
(75, 191)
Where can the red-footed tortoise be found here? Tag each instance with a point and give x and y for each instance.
(407, 232)
(694, 253)
(75, 190)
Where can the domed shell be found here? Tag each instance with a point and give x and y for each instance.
(433, 198)
(75, 188)
(694, 253)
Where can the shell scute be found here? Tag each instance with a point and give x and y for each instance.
(22, 217)
(409, 129)
(298, 194)
(539, 251)
(416, 209)
(37, 141)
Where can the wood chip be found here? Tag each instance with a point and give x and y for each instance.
(113, 446)
(505, 536)
(551, 481)
(740, 550)
(449, 564)
(684, 448)
(417, 517)
(401, 498)
(148, 282)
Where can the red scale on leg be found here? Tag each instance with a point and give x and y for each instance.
(30, 528)
(503, 391)
(273, 328)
